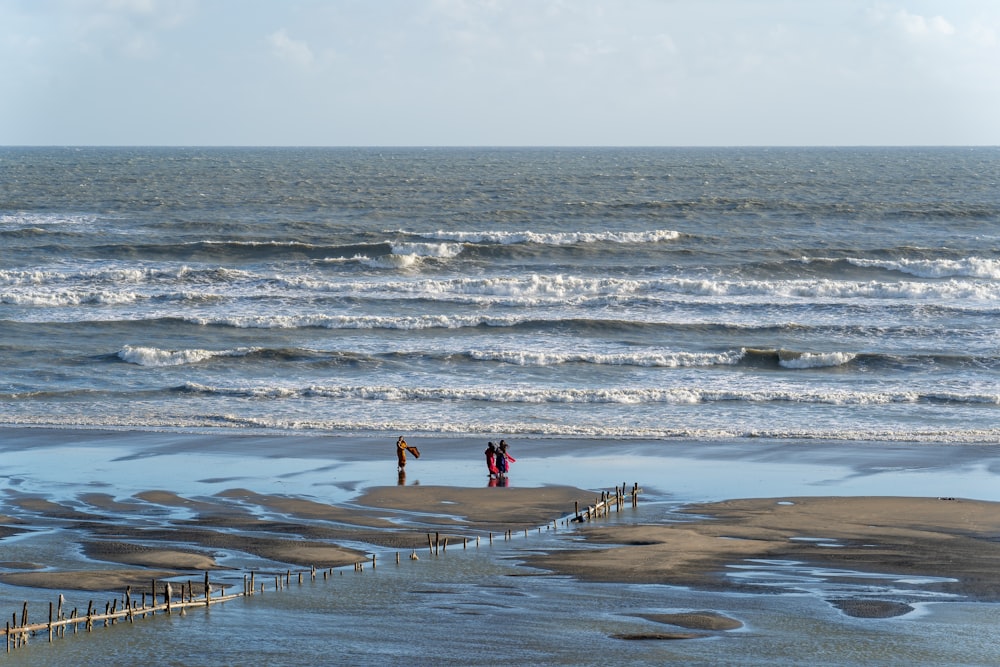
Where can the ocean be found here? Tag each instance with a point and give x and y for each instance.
(813, 293)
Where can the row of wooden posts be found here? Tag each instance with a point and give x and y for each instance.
(602, 506)
(17, 634)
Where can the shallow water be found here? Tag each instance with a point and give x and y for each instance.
(478, 605)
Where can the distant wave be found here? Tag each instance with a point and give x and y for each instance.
(649, 358)
(465, 429)
(968, 267)
(151, 356)
(36, 220)
(81, 297)
(118, 275)
(974, 267)
(427, 249)
(563, 238)
(676, 396)
(72, 298)
(814, 359)
(111, 284)
(564, 288)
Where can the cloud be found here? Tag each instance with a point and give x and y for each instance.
(915, 25)
(290, 50)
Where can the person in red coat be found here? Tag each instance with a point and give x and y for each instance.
(491, 460)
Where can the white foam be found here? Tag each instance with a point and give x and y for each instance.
(151, 356)
(445, 250)
(814, 359)
(647, 359)
(564, 238)
(29, 220)
(69, 298)
(975, 267)
(152, 421)
(611, 395)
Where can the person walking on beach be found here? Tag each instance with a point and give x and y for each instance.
(491, 460)
(504, 459)
(401, 449)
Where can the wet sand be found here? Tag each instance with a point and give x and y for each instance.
(129, 538)
(306, 535)
(951, 540)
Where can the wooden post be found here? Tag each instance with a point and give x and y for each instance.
(397, 558)
(50, 622)
(252, 583)
(430, 544)
(208, 588)
(90, 616)
(128, 602)
(168, 593)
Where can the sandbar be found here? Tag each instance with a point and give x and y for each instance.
(951, 543)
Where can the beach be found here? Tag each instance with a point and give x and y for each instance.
(209, 354)
(289, 503)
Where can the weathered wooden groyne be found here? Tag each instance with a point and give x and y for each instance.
(169, 597)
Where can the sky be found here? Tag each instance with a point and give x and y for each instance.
(500, 72)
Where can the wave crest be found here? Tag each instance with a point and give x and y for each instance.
(788, 359)
(151, 356)
(555, 238)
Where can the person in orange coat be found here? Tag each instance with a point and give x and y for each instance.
(401, 449)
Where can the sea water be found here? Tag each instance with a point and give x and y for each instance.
(697, 293)
(727, 303)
